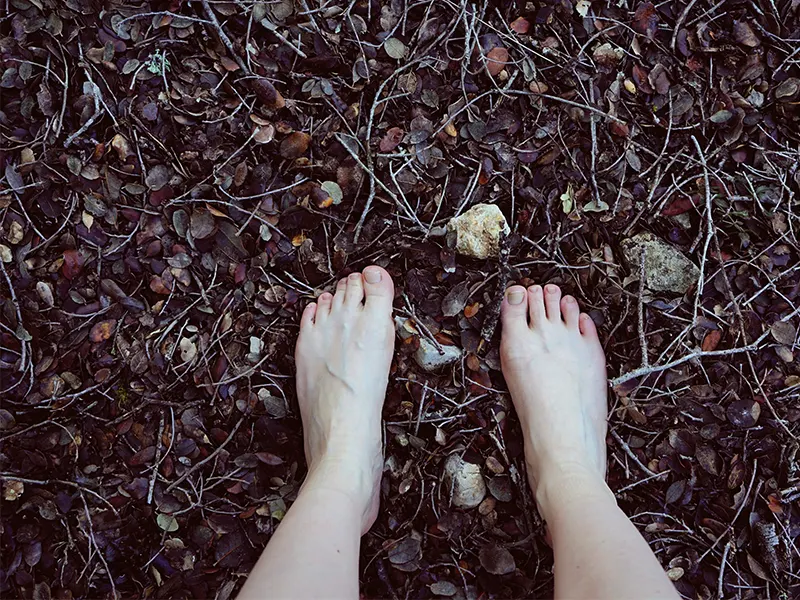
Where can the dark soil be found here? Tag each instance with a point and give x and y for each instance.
(179, 179)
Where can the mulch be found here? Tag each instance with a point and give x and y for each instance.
(179, 179)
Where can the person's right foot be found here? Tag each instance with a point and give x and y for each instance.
(555, 369)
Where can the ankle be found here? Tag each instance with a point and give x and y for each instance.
(344, 476)
(564, 485)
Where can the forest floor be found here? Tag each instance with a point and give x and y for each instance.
(180, 178)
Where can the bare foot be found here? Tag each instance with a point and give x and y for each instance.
(343, 357)
(555, 370)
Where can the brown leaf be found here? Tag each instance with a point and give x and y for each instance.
(520, 25)
(783, 332)
(497, 560)
(202, 224)
(743, 412)
(270, 98)
(103, 331)
(744, 34)
(295, 145)
(159, 286)
(675, 491)
(73, 264)
(143, 456)
(456, 299)
(619, 129)
(269, 459)
(645, 19)
(391, 139)
(496, 60)
(711, 341)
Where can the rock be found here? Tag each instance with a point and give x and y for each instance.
(478, 231)
(427, 355)
(429, 358)
(666, 268)
(465, 481)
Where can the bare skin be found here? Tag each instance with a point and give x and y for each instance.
(555, 369)
(343, 357)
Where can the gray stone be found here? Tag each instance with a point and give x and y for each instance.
(465, 481)
(478, 231)
(666, 268)
(429, 358)
(427, 355)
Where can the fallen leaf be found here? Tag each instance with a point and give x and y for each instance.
(391, 139)
(73, 264)
(394, 48)
(497, 560)
(783, 332)
(103, 331)
(496, 60)
(711, 340)
(270, 97)
(167, 522)
(645, 19)
(202, 224)
(333, 190)
(743, 34)
(295, 145)
(521, 25)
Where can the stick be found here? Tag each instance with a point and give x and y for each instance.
(214, 22)
(156, 460)
(632, 455)
(208, 458)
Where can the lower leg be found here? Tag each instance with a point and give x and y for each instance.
(343, 357)
(598, 552)
(555, 370)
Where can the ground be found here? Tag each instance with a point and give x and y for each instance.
(181, 178)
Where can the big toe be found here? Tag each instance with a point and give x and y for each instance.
(378, 289)
(514, 310)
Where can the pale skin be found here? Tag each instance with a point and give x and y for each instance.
(554, 366)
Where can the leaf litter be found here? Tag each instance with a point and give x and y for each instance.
(180, 181)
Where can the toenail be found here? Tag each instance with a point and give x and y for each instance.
(516, 296)
(355, 276)
(535, 289)
(551, 289)
(372, 275)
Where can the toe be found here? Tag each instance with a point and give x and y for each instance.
(341, 292)
(354, 295)
(536, 305)
(324, 303)
(307, 320)
(514, 310)
(552, 302)
(378, 289)
(587, 327)
(570, 311)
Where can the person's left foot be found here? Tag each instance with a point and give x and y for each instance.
(343, 357)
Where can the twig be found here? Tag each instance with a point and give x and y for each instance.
(722, 569)
(642, 337)
(736, 516)
(48, 482)
(208, 458)
(165, 13)
(214, 22)
(679, 23)
(156, 460)
(493, 312)
(632, 455)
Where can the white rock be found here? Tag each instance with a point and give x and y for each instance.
(478, 231)
(427, 355)
(429, 358)
(465, 481)
(666, 269)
